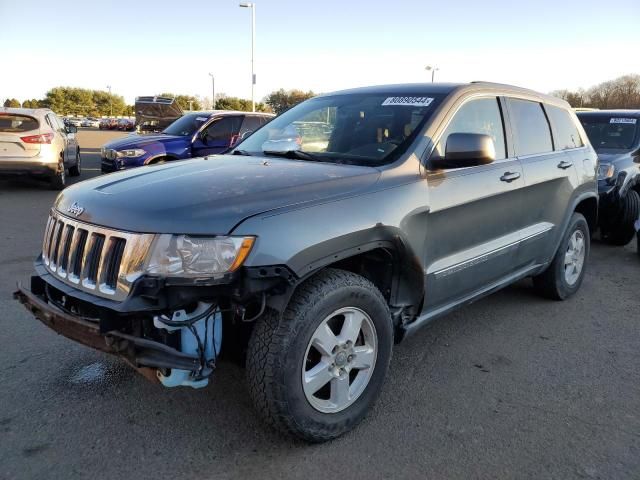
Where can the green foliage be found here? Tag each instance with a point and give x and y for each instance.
(282, 99)
(183, 101)
(240, 104)
(12, 103)
(623, 92)
(33, 103)
(83, 102)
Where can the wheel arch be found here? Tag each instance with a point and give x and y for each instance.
(382, 255)
(588, 207)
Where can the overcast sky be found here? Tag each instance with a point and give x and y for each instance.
(145, 47)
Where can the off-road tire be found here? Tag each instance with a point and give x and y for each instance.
(278, 346)
(622, 231)
(76, 170)
(552, 283)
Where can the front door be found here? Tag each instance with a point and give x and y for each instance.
(217, 136)
(473, 226)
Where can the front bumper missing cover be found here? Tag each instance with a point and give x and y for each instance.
(143, 354)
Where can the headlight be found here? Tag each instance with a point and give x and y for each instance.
(605, 171)
(189, 256)
(136, 152)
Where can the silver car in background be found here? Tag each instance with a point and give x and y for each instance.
(36, 143)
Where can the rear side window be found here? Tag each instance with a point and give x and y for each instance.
(533, 135)
(223, 129)
(477, 116)
(567, 135)
(13, 123)
(250, 124)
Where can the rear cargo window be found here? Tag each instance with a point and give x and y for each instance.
(10, 123)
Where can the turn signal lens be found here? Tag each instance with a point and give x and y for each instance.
(245, 248)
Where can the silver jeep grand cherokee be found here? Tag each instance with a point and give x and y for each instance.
(344, 224)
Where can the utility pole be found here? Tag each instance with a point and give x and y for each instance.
(252, 6)
(110, 101)
(213, 92)
(433, 69)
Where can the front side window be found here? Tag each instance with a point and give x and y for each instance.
(608, 132)
(533, 134)
(358, 128)
(482, 116)
(567, 135)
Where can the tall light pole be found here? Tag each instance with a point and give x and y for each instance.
(110, 101)
(433, 69)
(213, 92)
(252, 6)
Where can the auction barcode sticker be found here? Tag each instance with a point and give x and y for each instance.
(631, 121)
(409, 101)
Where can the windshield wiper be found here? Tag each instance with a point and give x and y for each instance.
(297, 154)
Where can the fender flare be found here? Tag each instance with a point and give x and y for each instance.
(407, 277)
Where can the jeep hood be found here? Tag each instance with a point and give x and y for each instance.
(208, 196)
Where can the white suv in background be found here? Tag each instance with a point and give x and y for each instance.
(36, 143)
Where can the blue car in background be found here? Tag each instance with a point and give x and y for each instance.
(193, 135)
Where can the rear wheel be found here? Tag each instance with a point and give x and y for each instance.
(316, 370)
(564, 275)
(622, 231)
(59, 179)
(76, 170)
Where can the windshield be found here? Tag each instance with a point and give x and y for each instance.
(606, 132)
(186, 125)
(362, 129)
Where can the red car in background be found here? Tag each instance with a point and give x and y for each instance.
(126, 125)
(108, 124)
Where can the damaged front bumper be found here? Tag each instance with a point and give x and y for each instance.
(189, 364)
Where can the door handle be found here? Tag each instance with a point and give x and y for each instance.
(510, 177)
(565, 164)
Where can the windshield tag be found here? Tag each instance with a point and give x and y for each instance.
(202, 119)
(631, 121)
(408, 101)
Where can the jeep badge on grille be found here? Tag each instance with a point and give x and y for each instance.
(75, 209)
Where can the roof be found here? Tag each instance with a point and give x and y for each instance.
(609, 113)
(444, 88)
(211, 113)
(24, 111)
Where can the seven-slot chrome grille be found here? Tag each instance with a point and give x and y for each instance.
(94, 259)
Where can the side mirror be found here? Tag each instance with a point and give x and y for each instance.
(466, 150)
(71, 129)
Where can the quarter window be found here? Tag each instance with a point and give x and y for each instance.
(567, 135)
(477, 116)
(533, 135)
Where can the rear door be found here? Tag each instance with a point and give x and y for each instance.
(218, 136)
(12, 128)
(473, 223)
(550, 179)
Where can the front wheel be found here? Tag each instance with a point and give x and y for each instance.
(623, 230)
(315, 370)
(564, 275)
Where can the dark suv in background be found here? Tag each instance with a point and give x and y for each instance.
(615, 135)
(343, 225)
(192, 135)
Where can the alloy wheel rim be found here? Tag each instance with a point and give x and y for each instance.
(339, 360)
(574, 257)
